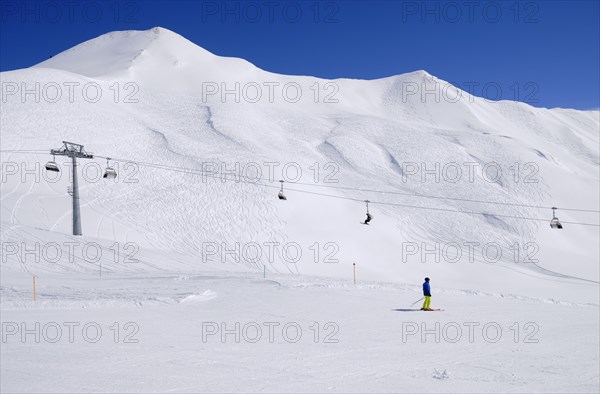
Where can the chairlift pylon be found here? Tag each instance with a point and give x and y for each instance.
(281, 195)
(110, 172)
(52, 166)
(555, 223)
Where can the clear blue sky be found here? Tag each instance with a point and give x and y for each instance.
(545, 53)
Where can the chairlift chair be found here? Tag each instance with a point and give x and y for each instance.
(555, 223)
(52, 166)
(281, 195)
(369, 216)
(110, 172)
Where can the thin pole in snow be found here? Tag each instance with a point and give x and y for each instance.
(264, 271)
(354, 272)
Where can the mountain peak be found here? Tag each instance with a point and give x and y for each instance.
(117, 52)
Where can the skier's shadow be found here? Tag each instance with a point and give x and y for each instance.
(406, 310)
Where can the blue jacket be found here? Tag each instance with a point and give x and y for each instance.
(426, 289)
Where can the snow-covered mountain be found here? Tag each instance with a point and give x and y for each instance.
(168, 267)
(166, 101)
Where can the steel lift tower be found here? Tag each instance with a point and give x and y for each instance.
(74, 151)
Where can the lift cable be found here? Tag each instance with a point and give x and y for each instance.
(258, 180)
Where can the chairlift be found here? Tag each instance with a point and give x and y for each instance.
(369, 216)
(555, 223)
(52, 166)
(280, 195)
(110, 172)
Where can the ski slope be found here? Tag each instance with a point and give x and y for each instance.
(173, 118)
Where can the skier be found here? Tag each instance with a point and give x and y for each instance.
(368, 219)
(427, 294)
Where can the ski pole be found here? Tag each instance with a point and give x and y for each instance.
(417, 301)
